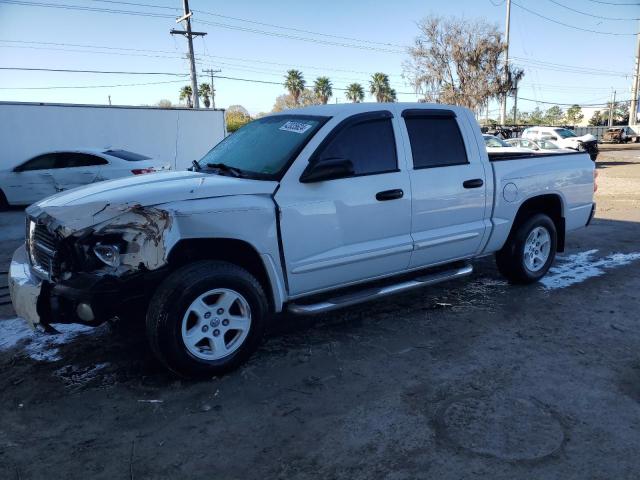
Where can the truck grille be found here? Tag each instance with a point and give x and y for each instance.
(42, 247)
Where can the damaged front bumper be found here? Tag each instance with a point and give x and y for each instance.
(24, 287)
(85, 298)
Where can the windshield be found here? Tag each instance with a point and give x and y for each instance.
(263, 148)
(565, 133)
(491, 141)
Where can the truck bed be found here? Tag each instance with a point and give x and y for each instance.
(501, 156)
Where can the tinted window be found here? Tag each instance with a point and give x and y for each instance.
(436, 141)
(72, 159)
(370, 145)
(126, 155)
(42, 162)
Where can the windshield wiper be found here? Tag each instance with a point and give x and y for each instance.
(236, 172)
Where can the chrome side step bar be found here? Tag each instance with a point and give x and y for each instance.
(378, 292)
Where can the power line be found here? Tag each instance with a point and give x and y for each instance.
(544, 65)
(571, 104)
(32, 47)
(240, 59)
(295, 37)
(264, 24)
(569, 25)
(91, 86)
(590, 14)
(618, 4)
(68, 70)
(269, 82)
(87, 9)
(215, 24)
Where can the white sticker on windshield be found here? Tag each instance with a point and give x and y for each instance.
(296, 127)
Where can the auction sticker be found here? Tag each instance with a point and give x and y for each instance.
(296, 127)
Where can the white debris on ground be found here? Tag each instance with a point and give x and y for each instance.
(77, 377)
(40, 346)
(577, 268)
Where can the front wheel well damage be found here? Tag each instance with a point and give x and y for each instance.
(234, 251)
(550, 205)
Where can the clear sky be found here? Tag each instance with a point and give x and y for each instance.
(74, 38)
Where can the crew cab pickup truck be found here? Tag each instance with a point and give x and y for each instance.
(307, 211)
(564, 138)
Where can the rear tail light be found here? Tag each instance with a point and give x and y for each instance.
(595, 180)
(140, 171)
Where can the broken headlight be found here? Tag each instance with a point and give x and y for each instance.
(108, 254)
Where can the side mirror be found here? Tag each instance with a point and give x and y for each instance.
(329, 169)
(553, 138)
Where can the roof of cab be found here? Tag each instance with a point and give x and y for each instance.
(342, 109)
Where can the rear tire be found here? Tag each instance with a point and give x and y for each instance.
(529, 251)
(206, 318)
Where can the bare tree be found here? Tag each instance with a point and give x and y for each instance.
(306, 97)
(459, 61)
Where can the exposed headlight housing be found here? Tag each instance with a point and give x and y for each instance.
(108, 254)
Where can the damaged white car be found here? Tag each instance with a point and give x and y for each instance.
(53, 172)
(306, 210)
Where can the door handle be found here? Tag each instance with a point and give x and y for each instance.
(389, 195)
(474, 183)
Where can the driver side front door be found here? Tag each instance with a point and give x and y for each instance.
(346, 230)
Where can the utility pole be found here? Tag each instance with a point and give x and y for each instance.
(211, 71)
(189, 34)
(633, 110)
(611, 107)
(503, 105)
(515, 104)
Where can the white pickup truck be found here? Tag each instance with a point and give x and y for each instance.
(306, 211)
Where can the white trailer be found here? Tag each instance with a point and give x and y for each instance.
(175, 136)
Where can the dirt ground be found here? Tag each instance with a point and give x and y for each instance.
(470, 379)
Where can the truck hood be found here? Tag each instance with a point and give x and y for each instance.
(86, 206)
(158, 188)
(584, 138)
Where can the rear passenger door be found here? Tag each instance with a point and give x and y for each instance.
(74, 169)
(448, 187)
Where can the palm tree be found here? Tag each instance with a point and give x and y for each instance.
(379, 86)
(389, 95)
(323, 89)
(294, 82)
(204, 90)
(355, 93)
(187, 94)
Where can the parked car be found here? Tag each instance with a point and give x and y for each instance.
(53, 172)
(538, 146)
(564, 138)
(619, 135)
(497, 145)
(304, 211)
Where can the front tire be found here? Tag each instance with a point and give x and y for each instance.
(529, 251)
(206, 318)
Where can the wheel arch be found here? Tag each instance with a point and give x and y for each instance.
(550, 204)
(238, 252)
